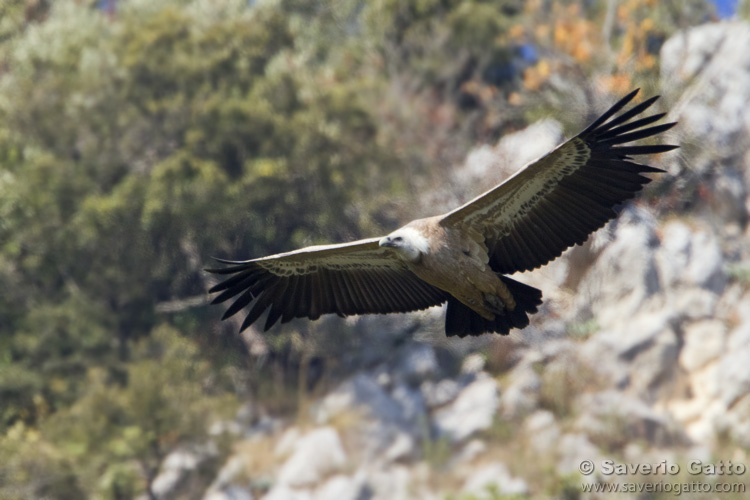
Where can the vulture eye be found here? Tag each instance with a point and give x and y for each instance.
(398, 238)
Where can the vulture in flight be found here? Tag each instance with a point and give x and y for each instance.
(462, 257)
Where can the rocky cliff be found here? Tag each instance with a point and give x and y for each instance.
(641, 353)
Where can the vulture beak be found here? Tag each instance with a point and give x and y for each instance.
(386, 242)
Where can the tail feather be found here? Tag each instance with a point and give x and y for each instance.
(460, 320)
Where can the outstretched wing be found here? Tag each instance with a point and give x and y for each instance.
(558, 200)
(352, 278)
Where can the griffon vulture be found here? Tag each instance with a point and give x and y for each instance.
(462, 257)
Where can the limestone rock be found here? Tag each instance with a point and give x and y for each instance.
(572, 450)
(734, 375)
(492, 479)
(624, 276)
(228, 493)
(315, 455)
(611, 418)
(542, 431)
(440, 393)
(176, 473)
(339, 487)
(708, 58)
(704, 342)
(284, 492)
(473, 410)
(418, 363)
(394, 483)
(521, 395)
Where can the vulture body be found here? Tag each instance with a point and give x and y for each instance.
(462, 257)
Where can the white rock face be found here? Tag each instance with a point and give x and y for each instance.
(609, 414)
(521, 394)
(517, 149)
(440, 393)
(339, 487)
(734, 375)
(688, 258)
(418, 363)
(493, 477)
(315, 455)
(384, 416)
(233, 467)
(472, 411)
(709, 72)
(512, 152)
(473, 364)
(176, 470)
(393, 483)
(489, 165)
(628, 340)
(704, 342)
(542, 430)
(229, 493)
(283, 492)
(706, 269)
(469, 452)
(364, 395)
(624, 276)
(739, 338)
(707, 57)
(572, 450)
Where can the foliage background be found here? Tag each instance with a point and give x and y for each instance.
(139, 138)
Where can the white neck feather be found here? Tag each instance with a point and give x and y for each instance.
(414, 244)
(415, 239)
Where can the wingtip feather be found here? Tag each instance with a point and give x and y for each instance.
(611, 112)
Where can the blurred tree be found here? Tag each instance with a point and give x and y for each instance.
(15, 15)
(130, 144)
(132, 147)
(609, 44)
(111, 441)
